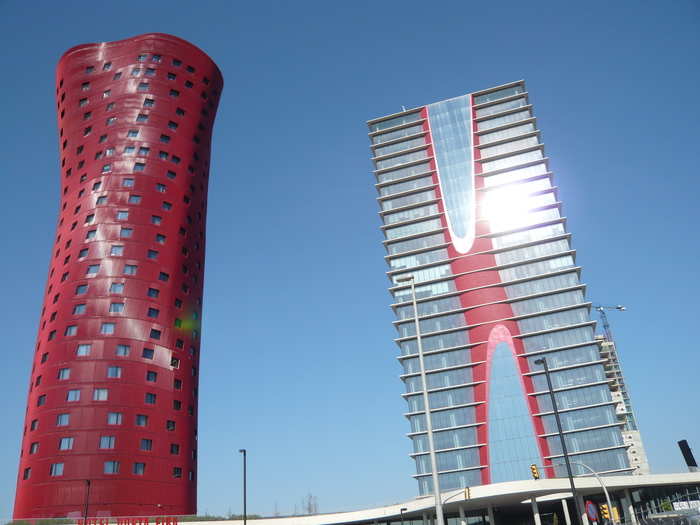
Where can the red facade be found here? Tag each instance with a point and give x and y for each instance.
(113, 392)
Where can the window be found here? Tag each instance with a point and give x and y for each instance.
(114, 372)
(101, 200)
(89, 219)
(172, 124)
(52, 335)
(62, 420)
(161, 187)
(109, 122)
(110, 106)
(83, 350)
(90, 235)
(174, 93)
(96, 187)
(82, 253)
(41, 400)
(141, 117)
(151, 376)
(130, 269)
(126, 232)
(150, 398)
(35, 424)
(150, 72)
(128, 183)
(152, 254)
(177, 472)
(147, 353)
(155, 334)
(162, 276)
(177, 384)
(92, 269)
(175, 362)
(174, 448)
(141, 420)
(170, 425)
(134, 199)
(103, 138)
(156, 58)
(56, 469)
(143, 86)
(139, 166)
(79, 309)
(81, 289)
(153, 312)
(188, 84)
(107, 66)
(139, 469)
(178, 303)
(107, 441)
(132, 133)
(107, 328)
(166, 205)
(149, 103)
(179, 112)
(114, 418)
(116, 308)
(122, 350)
(116, 288)
(65, 443)
(64, 373)
(100, 394)
(27, 472)
(153, 292)
(71, 330)
(111, 467)
(177, 405)
(155, 219)
(122, 215)
(73, 395)
(146, 444)
(34, 448)
(170, 174)
(135, 72)
(82, 102)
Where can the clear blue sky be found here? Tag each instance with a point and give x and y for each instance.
(297, 360)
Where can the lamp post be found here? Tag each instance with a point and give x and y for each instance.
(87, 500)
(245, 481)
(426, 403)
(401, 511)
(542, 361)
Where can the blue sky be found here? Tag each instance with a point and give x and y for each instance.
(297, 360)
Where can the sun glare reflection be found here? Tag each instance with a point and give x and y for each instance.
(507, 208)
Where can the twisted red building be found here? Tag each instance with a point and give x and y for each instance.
(111, 421)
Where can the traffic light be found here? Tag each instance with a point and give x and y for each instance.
(535, 472)
(604, 511)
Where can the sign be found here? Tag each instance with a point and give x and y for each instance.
(154, 520)
(591, 511)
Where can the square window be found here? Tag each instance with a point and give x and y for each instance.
(82, 102)
(190, 69)
(116, 251)
(163, 155)
(162, 276)
(147, 353)
(110, 106)
(111, 467)
(130, 269)
(73, 395)
(114, 372)
(170, 425)
(101, 200)
(142, 57)
(106, 168)
(179, 111)
(153, 312)
(171, 174)
(116, 288)
(90, 234)
(177, 62)
(155, 334)
(174, 93)
(71, 330)
(177, 384)
(146, 444)
(103, 138)
(96, 186)
(100, 394)
(156, 58)
(174, 448)
(56, 469)
(107, 441)
(177, 472)
(141, 117)
(35, 423)
(151, 376)
(171, 76)
(126, 232)
(81, 289)
(92, 269)
(122, 215)
(79, 309)
(135, 72)
(65, 443)
(132, 133)
(177, 405)
(122, 350)
(149, 103)
(109, 122)
(141, 420)
(139, 166)
(41, 400)
(152, 254)
(52, 335)
(152, 292)
(188, 84)
(167, 205)
(160, 187)
(83, 349)
(143, 86)
(134, 199)
(62, 420)
(27, 472)
(165, 138)
(116, 308)
(139, 469)
(150, 72)
(64, 373)
(107, 66)
(155, 219)
(150, 398)
(34, 448)
(172, 125)
(178, 303)
(160, 238)
(114, 418)
(107, 328)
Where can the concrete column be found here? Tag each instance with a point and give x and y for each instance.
(630, 508)
(535, 511)
(565, 507)
(492, 520)
(462, 518)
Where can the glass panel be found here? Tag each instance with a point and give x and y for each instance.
(434, 324)
(532, 252)
(547, 302)
(573, 356)
(402, 173)
(503, 134)
(399, 146)
(453, 480)
(513, 160)
(409, 245)
(515, 175)
(525, 236)
(559, 338)
(598, 461)
(436, 342)
(586, 440)
(459, 437)
(413, 228)
(440, 360)
(542, 285)
(502, 121)
(397, 134)
(507, 147)
(546, 321)
(401, 159)
(408, 185)
(575, 376)
(396, 121)
(413, 213)
(577, 397)
(426, 274)
(512, 441)
(503, 106)
(407, 200)
(450, 126)
(426, 290)
(583, 418)
(537, 268)
(429, 307)
(501, 93)
(418, 259)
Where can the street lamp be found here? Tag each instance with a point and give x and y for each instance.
(401, 511)
(426, 403)
(245, 461)
(542, 361)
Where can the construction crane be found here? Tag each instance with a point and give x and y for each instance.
(600, 308)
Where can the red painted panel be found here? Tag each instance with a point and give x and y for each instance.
(102, 89)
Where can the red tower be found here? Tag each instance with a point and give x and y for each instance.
(111, 418)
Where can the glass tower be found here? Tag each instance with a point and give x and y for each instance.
(470, 211)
